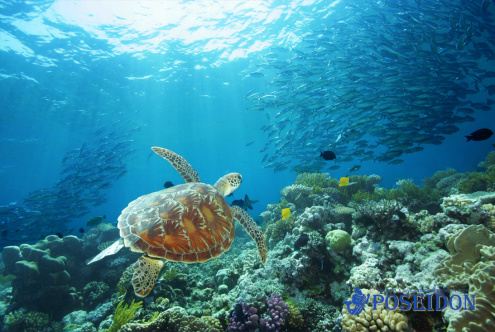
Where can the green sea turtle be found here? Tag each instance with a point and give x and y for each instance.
(187, 223)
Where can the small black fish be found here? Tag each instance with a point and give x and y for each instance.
(245, 204)
(480, 135)
(4, 232)
(81, 230)
(328, 155)
(301, 241)
(59, 235)
(238, 202)
(168, 184)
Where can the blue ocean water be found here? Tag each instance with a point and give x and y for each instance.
(88, 87)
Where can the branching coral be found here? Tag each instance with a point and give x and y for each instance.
(489, 161)
(413, 196)
(31, 321)
(316, 181)
(475, 181)
(433, 181)
(278, 230)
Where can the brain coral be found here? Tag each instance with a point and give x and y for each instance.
(380, 319)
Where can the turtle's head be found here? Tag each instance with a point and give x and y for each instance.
(228, 183)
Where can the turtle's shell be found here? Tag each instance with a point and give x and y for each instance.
(186, 223)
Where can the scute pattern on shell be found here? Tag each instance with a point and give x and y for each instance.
(187, 223)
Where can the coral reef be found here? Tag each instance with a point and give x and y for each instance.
(470, 249)
(371, 319)
(468, 207)
(404, 240)
(42, 274)
(174, 319)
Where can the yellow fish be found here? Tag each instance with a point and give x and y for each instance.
(285, 213)
(344, 181)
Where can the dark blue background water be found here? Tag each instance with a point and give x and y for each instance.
(173, 75)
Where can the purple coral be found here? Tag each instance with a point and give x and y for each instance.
(243, 318)
(277, 312)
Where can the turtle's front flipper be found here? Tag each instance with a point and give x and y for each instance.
(179, 163)
(146, 272)
(250, 226)
(116, 246)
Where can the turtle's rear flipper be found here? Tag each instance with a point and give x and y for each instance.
(146, 272)
(250, 226)
(116, 246)
(179, 163)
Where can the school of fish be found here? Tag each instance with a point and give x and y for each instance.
(381, 80)
(86, 173)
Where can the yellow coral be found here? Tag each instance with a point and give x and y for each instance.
(295, 320)
(380, 319)
(213, 322)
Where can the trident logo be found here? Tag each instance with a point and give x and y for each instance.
(359, 300)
